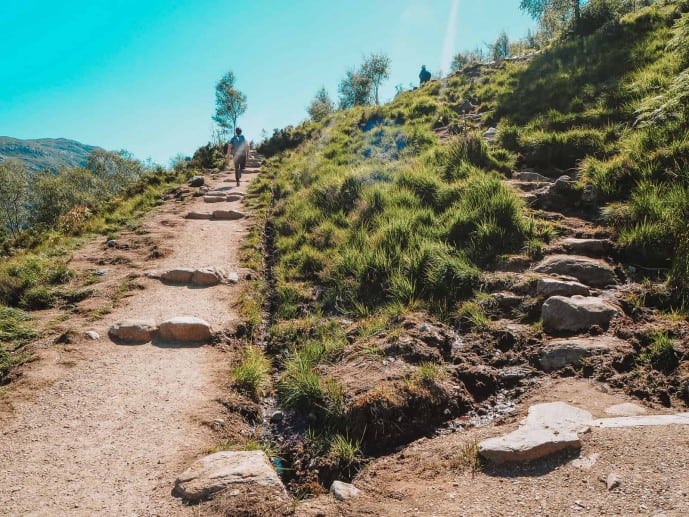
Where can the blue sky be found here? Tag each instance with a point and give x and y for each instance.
(139, 74)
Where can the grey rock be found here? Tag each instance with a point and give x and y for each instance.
(593, 272)
(589, 247)
(179, 275)
(531, 176)
(548, 287)
(207, 277)
(214, 199)
(233, 278)
(228, 215)
(198, 215)
(613, 481)
(101, 272)
(559, 353)
(185, 329)
(197, 181)
(92, 335)
(134, 331)
(626, 409)
(276, 417)
(228, 471)
(343, 491)
(111, 243)
(576, 313)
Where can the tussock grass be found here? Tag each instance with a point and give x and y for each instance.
(252, 374)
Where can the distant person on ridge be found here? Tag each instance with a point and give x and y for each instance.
(425, 75)
(238, 149)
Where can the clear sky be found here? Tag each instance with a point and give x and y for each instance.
(140, 74)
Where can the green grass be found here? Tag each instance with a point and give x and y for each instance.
(252, 374)
(661, 354)
(15, 332)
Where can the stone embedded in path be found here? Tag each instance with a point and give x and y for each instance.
(234, 197)
(233, 278)
(207, 277)
(199, 215)
(593, 272)
(549, 428)
(626, 409)
(589, 247)
(231, 472)
(555, 287)
(214, 199)
(576, 313)
(134, 331)
(178, 276)
(559, 353)
(185, 329)
(197, 181)
(642, 421)
(92, 335)
(228, 215)
(343, 491)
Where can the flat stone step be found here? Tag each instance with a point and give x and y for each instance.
(556, 287)
(185, 329)
(215, 199)
(531, 176)
(587, 247)
(563, 314)
(228, 215)
(527, 186)
(559, 353)
(198, 216)
(587, 270)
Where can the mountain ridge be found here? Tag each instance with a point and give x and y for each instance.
(45, 153)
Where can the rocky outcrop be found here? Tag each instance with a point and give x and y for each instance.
(231, 471)
(593, 272)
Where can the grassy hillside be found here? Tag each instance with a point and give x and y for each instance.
(45, 153)
(374, 217)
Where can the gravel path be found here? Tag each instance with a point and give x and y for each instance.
(95, 428)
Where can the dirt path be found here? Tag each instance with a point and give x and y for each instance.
(95, 428)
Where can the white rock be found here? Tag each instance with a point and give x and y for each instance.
(613, 481)
(185, 329)
(548, 428)
(626, 409)
(642, 421)
(233, 278)
(343, 491)
(92, 334)
(134, 331)
(230, 471)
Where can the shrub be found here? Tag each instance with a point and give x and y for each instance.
(252, 375)
(562, 150)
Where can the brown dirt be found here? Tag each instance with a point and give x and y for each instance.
(91, 427)
(429, 477)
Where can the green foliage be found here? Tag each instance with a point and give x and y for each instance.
(345, 450)
(252, 374)
(14, 194)
(321, 106)
(661, 354)
(15, 331)
(230, 103)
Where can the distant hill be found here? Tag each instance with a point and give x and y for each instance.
(45, 153)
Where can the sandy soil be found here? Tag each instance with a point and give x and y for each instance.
(95, 428)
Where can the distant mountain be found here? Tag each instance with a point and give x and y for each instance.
(45, 153)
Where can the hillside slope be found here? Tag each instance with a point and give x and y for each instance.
(45, 153)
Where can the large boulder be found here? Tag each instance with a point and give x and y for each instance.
(178, 276)
(134, 331)
(559, 353)
(593, 272)
(549, 428)
(548, 287)
(233, 472)
(185, 329)
(576, 313)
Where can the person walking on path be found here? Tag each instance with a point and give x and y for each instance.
(424, 76)
(238, 149)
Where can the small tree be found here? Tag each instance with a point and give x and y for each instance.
(14, 193)
(230, 103)
(553, 14)
(355, 90)
(377, 68)
(321, 106)
(501, 48)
